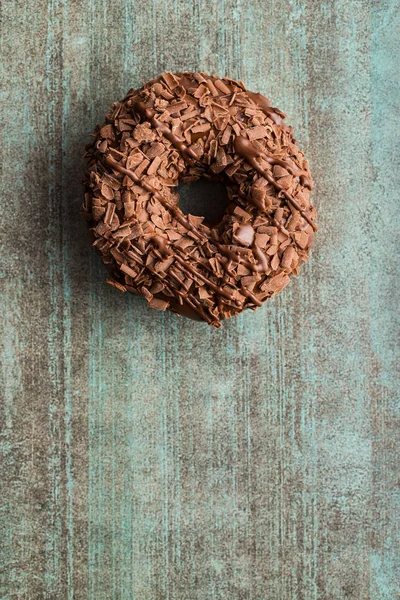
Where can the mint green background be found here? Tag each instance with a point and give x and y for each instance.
(149, 457)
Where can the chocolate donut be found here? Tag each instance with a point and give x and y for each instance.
(178, 128)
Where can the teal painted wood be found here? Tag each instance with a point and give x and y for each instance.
(147, 456)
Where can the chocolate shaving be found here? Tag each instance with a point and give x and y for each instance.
(180, 127)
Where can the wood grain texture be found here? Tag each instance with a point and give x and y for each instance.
(148, 457)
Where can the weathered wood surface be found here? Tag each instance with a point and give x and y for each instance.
(149, 457)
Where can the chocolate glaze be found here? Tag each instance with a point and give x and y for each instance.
(290, 167)
(177, 213)
(287, 164)
(260, 266)
(179, 144)
(277, 224)
(266, 107)
(190, 301)
(164, 247)
(251, 296)
(245, 148)
(188, 307)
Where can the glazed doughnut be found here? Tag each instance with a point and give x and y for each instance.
(179, 128)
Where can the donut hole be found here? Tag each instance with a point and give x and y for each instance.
(206, 198)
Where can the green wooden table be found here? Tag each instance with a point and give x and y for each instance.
(150, 457)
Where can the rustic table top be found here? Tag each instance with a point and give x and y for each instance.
(146, 456)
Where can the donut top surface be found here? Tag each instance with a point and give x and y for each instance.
(178, 128)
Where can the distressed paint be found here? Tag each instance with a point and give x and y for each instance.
(151, 457)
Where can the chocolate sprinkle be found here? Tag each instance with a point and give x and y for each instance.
(180, 127)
